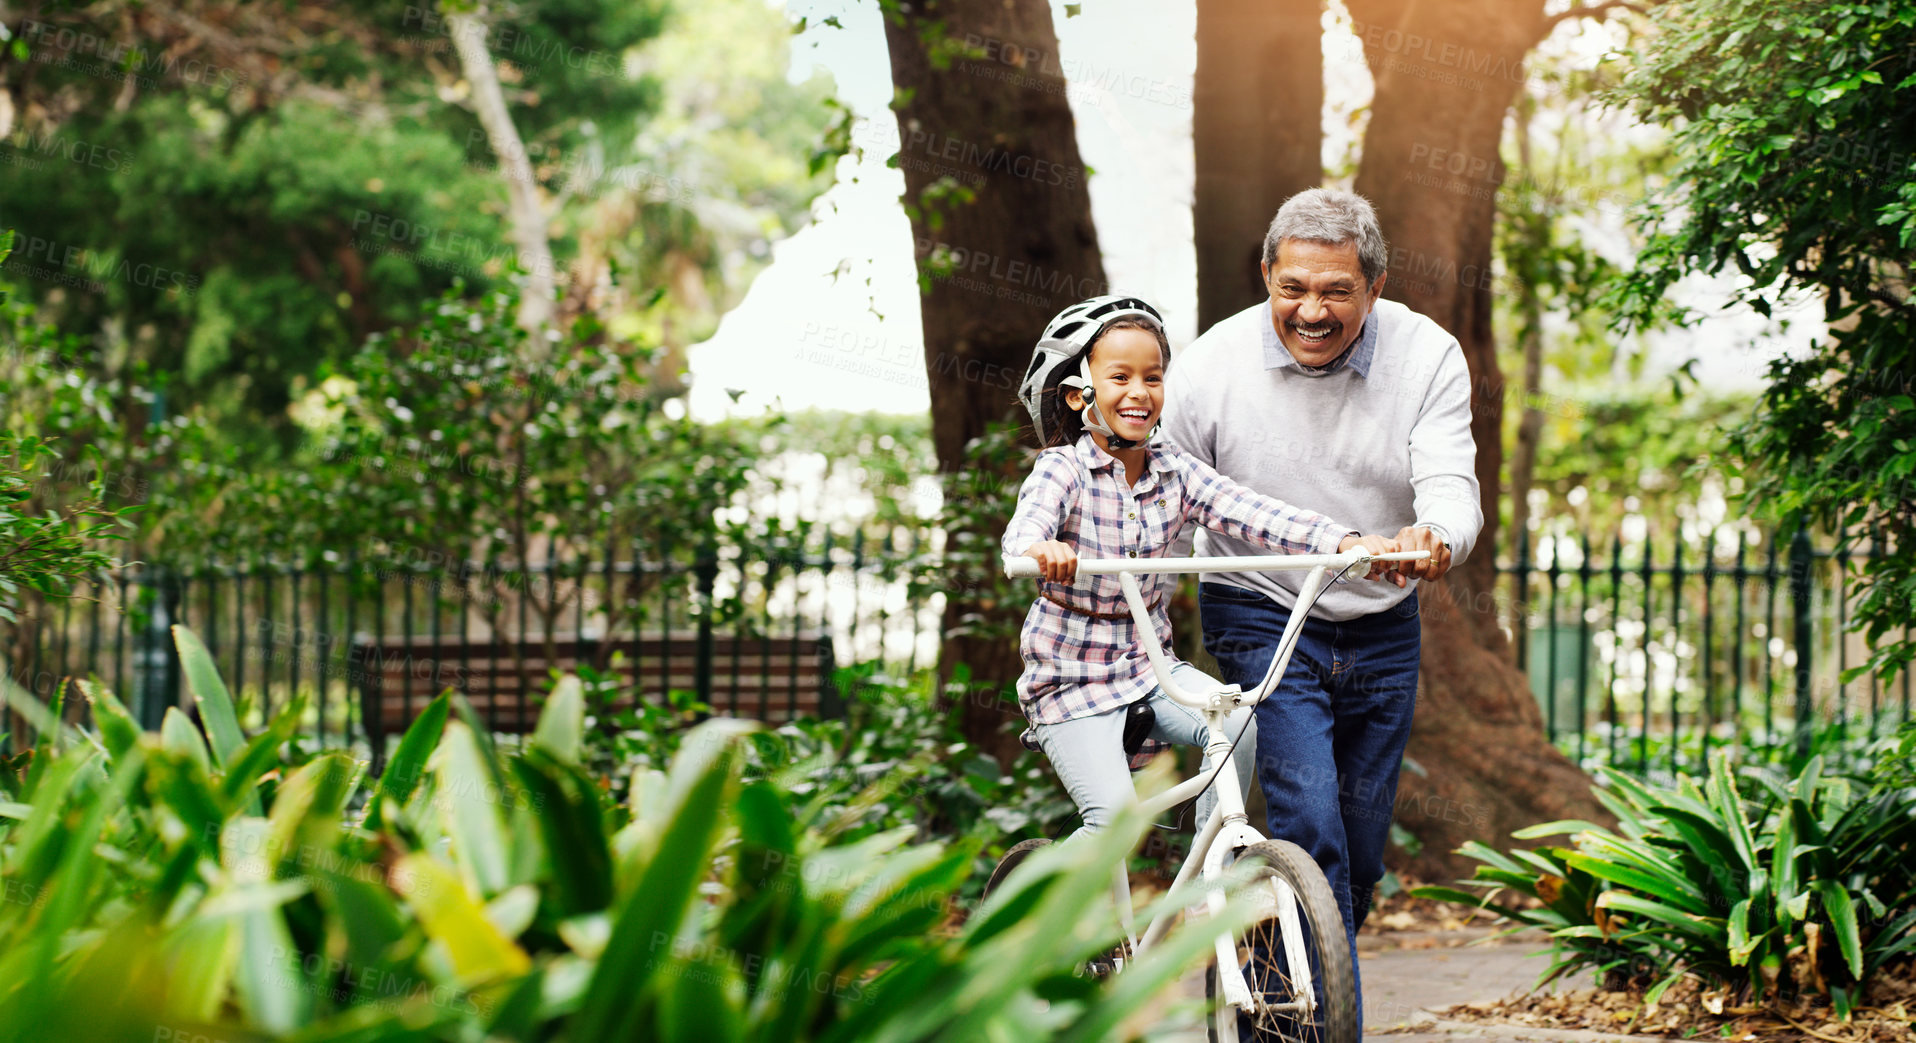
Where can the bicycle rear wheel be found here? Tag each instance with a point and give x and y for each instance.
(1264, 957)
(1018, 853)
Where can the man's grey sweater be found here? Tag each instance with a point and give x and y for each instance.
(1380, 440)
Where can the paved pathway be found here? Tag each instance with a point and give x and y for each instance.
(1405, 976)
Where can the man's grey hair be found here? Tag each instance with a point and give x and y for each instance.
(1325, 215)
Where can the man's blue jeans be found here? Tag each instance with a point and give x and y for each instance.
(1330, 738)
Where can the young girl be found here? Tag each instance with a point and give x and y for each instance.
(1103, 488)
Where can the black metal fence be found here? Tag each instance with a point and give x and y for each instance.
(279, 629)
(1645, 658)
(1648, 658)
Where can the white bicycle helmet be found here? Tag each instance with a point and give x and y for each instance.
(1066, 338)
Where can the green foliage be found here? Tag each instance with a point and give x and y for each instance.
(438, 444)
(237, 209)
(1803, 884)
(48, 540)
(1793, 142)
(896, 759)
(48, 550)
(978, 499)
(502, 896)
(1625, 452)
(734, 156)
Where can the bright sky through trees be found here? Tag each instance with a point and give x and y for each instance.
(851, 340)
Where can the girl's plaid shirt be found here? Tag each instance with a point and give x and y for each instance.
(1076, 665)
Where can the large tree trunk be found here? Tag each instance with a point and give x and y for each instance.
(1445, 74)
(1531, 235)
(1256, 131)
(1001, 220)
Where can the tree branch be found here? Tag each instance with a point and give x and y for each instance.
(530, 228)
(1596, 11)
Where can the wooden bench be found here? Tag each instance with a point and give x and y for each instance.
(772, 679)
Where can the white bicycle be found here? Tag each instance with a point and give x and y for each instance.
(1289, 974)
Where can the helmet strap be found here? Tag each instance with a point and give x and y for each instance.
(1093, 417)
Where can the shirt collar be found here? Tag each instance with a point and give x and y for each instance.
(1358, 356)
(1159, 456)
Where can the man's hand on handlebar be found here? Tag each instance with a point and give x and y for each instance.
(1417, 537)
(1376, 545)
(1057, 562)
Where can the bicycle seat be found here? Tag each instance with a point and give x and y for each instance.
(1138, 721)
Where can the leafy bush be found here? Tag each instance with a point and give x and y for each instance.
(239, 887)
(1810, 886)
(43, 549)
(1791, 173)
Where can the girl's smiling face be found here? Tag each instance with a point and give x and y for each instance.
(1127, 376)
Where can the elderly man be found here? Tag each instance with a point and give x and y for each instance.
(1329, 397)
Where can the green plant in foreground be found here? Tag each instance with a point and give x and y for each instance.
(1809, 888)
(209, 883)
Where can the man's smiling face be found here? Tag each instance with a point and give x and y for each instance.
(1318, 298)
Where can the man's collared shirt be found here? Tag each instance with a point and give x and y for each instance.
(1381, 442)
(1358, 356)
(1077, 665)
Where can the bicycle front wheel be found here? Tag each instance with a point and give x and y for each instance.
(1265, 957)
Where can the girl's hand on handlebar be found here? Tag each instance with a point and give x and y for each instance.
(1375, 545)
(1057, 562)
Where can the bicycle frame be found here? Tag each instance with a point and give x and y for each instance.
(1227, 828)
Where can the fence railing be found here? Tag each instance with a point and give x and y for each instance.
(1645, 659)
(278, 629)
(1650, 657)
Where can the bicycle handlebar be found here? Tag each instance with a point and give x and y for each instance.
(1127, 570)
(1026, 568)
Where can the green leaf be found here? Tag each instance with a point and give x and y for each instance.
(1556, 828)
(407, 768)
(178, 735)
(1684, 921)
(1656, 992)
(1738, 926)
(469, 805)
(666, 891)
(454, 919)
(1842, 912)
(1672, 890)
(561, 727)
(572, 830)
(203, 954)
(216, 706)
(1729, 808)
(118, 730)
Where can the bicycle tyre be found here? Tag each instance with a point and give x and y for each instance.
(1016, 855)
(1335, 977)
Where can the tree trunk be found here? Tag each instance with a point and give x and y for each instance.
(1532, 239)
(1001, 222)
(1257, 133)
(1445, 75)
(530, 229)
